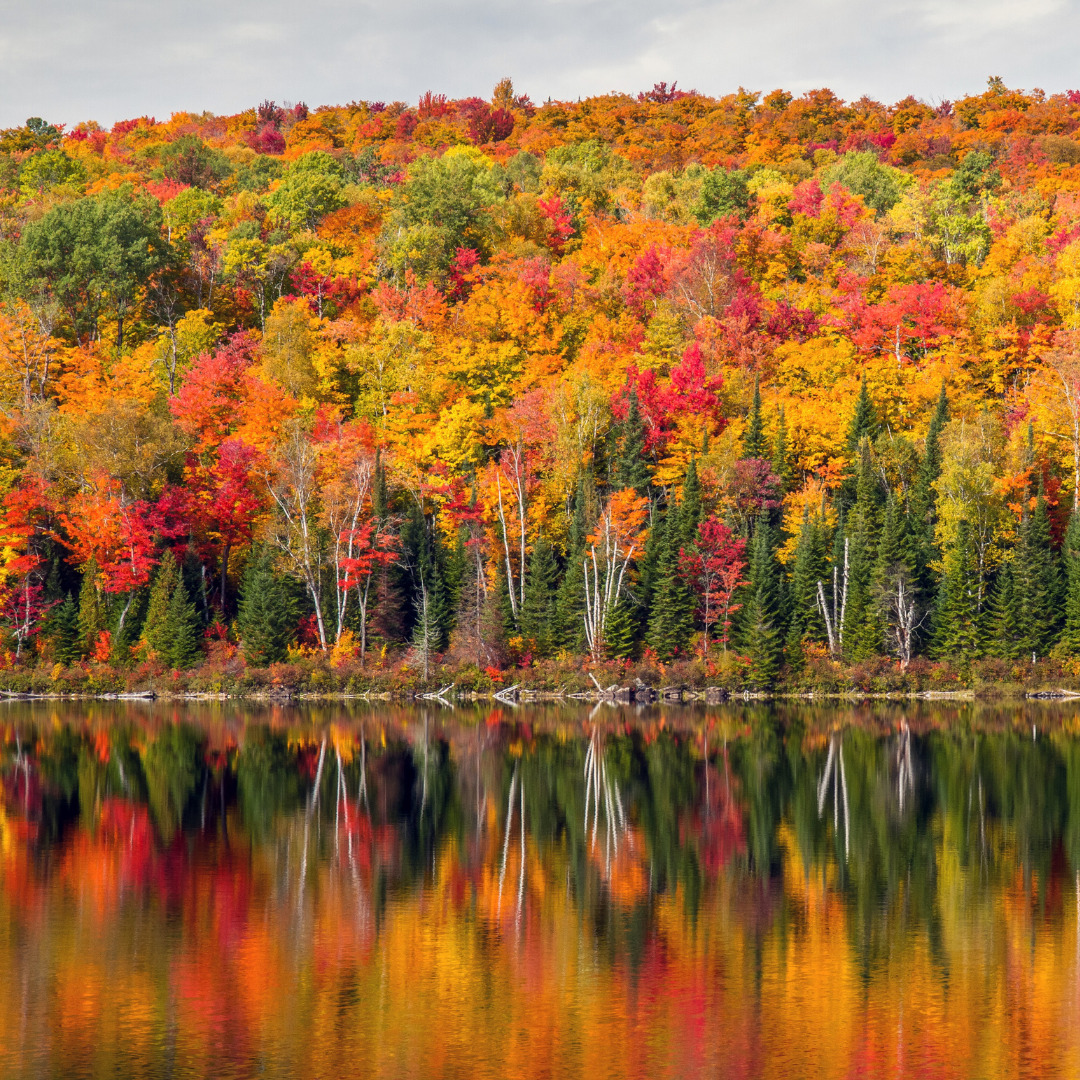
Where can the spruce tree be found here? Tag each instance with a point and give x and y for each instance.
(807, 569)
(781, 453)
(155, 626)
(629, 467)
(93, 611)
(864, 426)
(1071, 560)
(182, 638)
(862, 623)
(620, 629)
(754, 445)
(1037, 581)
(1004, 632)
(667, 632)
(538, 612)
(958, 616)
(923, 503)
(63, 631)
(569, 631)
(761, 620)
(266, 620)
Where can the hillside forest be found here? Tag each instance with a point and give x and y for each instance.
(761, 390)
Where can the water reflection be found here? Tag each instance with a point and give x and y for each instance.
(398, 892)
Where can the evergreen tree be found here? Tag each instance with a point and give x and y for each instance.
(754, 445)
(671, 600)
(761, 622)
(570, 601)
(1005, 635)
(807, 569)
(781, 454)
(63, 631)
(958, 615)
(621, 629)
(629, 467)
(155, 625)
(862, 623)
(181, 633)
(1071, 560)
(93, 611)
(923, 504)
(266, 620)
(864, 426)
(538, 612)
(1037, 581)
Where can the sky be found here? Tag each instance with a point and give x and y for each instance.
(107, 60)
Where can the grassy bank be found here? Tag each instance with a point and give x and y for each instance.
(316, 674)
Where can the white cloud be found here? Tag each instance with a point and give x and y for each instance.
(71, 61)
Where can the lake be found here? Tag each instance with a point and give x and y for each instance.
(336, 891)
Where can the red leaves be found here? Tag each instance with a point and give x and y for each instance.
(646, 281)
(689, 391)
(560, 222)
(715, 567)
(205, 405)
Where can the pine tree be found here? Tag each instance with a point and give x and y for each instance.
(181, 633)
(754, 445)
(621, 629)
(266, 620)
(1037, 581)
(864, 426)
(538, 612)
(570, 601)
(1004, 633)
(807, 569)
(781, 454)
(1071, 560)
(923, 504)
(63, 631)
(666, 633)
(155, 625)
(93, 611)
(862, 623)
(690, 508)
(958, 618)
(629, 467)
(761, 622)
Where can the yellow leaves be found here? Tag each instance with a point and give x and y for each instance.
(621, 524)
(456, 437)
(1065, 291)
(92, 378)
(29, 356)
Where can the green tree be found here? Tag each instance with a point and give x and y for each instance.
(754, 445)
(266, 620)
(762, 618)
(538, 612)
(723, 192)
(629, 469)
(95, 255)
(181, 631)
(155, 626)
(93, 610)
(1071, 559)
(958, 617)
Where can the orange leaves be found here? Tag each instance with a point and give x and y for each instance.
(621, 524)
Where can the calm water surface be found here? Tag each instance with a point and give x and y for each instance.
(392, 892)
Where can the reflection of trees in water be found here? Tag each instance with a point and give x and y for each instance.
(620, 813)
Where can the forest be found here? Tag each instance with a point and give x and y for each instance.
(761, 392)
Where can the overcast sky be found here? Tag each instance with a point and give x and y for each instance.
(105, 60)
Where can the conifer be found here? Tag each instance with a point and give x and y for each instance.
(754, 445)
(64, 631)
(538, 612)
(266, 620)
(781, 453)
(1037, 581)
(570, 602)
(807, 569)
(630, 469)
(958, 616)
(761, 622)
(181, 633)
(1071, 560)
(155, 626)
(92, 608)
